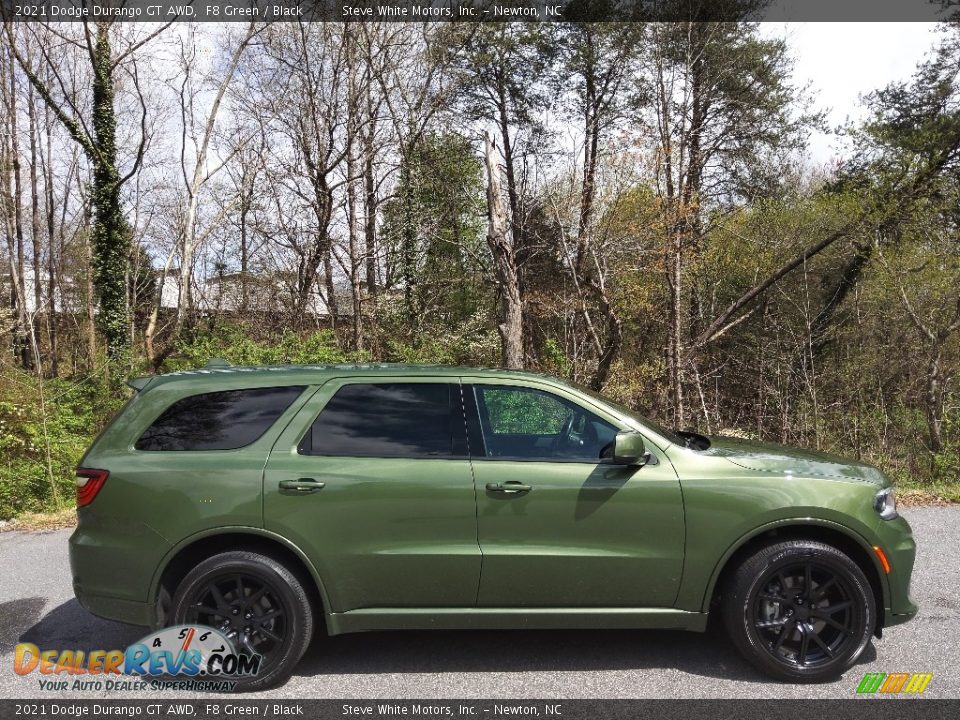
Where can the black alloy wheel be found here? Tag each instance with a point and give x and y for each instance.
(258, 603)
(800, 610)
(806, 614)
(245, 608)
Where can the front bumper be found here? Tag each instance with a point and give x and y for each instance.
(896, 539)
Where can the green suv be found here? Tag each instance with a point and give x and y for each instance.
(262, 501)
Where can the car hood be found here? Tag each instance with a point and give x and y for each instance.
(770, 457)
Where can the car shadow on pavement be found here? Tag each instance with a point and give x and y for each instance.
(707, 654)
(15, 617)
(70, 627)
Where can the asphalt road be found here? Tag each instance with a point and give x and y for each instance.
(37, 605)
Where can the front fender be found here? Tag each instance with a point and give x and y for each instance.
(726, 507)
(798, 522)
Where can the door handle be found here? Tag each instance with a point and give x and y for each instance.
(511, 487)
(302, 485)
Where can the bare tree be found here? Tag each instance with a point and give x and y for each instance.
(501, 247)
(196, 170)
(94, 128)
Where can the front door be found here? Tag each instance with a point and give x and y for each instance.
(558, 526)
(372, 481)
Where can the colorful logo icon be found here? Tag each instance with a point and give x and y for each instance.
(891, 683)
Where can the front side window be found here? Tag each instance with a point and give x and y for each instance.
(414, 420)
(218, 421)
(529, 424)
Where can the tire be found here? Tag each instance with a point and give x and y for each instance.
(800, 610)
(280, 596)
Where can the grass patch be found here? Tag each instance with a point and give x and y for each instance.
(52, 520)
(915, 494)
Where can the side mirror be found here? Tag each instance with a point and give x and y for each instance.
(628, 449)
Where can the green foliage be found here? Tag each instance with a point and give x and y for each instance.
(528, 413)
(499, 65)
(555, 357)
(45, 427)
(110, 237)
(434, 227)
(470, 343)
(235, 344)
(753, 116)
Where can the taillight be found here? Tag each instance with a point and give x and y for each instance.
(89, 482)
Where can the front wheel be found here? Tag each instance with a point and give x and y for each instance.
(800, 610)
(257, 602)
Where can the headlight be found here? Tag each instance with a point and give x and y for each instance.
(885, 503)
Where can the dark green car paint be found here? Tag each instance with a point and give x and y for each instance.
(415, 543)
(387, 532)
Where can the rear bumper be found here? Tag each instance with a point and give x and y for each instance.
(118, 609)
(110, 574)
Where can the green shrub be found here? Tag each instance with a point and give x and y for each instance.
(45, 427)
(233, 343)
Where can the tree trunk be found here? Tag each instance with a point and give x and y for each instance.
(90, 298)
(246, 197)
(110, 239)
(21, 331)
(370, 219)
(332, 305)
(933, 405)
(370, 241)
(35, 233)
(52, 257)
(613, 344)
(408, 248)
(513, 192)
(353, 129)
(675, 328)
(502, 249)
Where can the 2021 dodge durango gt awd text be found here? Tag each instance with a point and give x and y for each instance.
(266, 501)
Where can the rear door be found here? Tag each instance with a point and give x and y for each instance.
(372, 480)
(558, 526)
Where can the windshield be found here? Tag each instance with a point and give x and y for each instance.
(633, 414)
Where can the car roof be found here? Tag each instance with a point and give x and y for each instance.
(220, 372)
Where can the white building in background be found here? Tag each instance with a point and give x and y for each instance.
(218, 294)
(224, 293)
(29, 291)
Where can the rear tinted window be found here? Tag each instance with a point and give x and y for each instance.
(387, 420)
(218, 421)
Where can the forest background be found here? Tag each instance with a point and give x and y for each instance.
(633, 207)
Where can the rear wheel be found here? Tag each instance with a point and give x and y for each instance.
(257, 602)
(799, 610)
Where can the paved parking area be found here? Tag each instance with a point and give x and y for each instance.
(37, 605)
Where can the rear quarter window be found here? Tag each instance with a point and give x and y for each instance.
(218, 421)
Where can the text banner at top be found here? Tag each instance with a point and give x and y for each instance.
(479, 10)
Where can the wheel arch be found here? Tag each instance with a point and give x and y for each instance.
(188, 552)
(830, 533)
